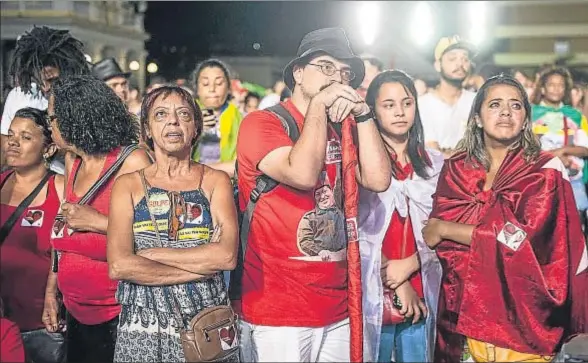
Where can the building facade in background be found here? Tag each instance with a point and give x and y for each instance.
(107, 29)
(538, 32)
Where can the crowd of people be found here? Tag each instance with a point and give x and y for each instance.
(350, 213)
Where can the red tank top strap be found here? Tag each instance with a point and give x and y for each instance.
(5, 176)
(70, 180)
(52, 191)
(110, 159)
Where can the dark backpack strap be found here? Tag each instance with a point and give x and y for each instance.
(263, 184)
(287, 120)
(7, 227)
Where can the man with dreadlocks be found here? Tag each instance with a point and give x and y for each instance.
(41, 56)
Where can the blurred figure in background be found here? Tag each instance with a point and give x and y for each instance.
(373, 66)
(285, 95)
(155, 83)
(217, 146)
(562, 129)
(527, 82)
(444, 110)
(421, 86)
(251, 103)
(108, 71)
(134, 99)
(274, 97)
(578, 97)
(41, 56)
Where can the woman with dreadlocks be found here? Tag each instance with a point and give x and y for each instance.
(40, 57)
(505, 227)
(92, 124)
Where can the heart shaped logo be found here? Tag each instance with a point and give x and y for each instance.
(227, 336)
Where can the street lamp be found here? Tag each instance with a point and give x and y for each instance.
(88, 58)
(477, 18)
(368, 21)
(134, 65)
(422, 23)
(152, 68)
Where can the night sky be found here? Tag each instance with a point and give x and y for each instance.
(183, 33)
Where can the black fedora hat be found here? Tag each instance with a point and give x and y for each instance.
(330, 41)
(108, 68)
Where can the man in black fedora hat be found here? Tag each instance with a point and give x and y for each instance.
(294, 284)
(109, 71)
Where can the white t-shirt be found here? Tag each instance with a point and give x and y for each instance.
(16, 100)
(444, 123)
(268, 101)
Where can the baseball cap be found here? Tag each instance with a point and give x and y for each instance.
(446, 44)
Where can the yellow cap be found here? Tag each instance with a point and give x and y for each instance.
(455, 42)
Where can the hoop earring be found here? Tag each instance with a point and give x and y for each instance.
(46, 161)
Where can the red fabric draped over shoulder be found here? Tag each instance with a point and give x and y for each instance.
(517, 285)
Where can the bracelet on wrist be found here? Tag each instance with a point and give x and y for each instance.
(363, 118)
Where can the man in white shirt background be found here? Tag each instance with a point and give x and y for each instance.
(445, 109)
(41, 56)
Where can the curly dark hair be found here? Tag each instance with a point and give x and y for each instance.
(544, 77)
(42, 47)
(90, 116)
(39, 117)
(165, 91)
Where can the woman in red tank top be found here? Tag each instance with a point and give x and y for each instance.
(25, 250)
(92, 124)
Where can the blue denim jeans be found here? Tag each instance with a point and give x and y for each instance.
(405, 340)
(579, 189)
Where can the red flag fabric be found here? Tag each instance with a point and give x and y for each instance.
(351, 200)
(520, 284)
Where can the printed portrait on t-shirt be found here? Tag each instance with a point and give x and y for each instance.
(33, 218)
(193, 213)
(321, 232)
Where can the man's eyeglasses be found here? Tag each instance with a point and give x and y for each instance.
(329, 69)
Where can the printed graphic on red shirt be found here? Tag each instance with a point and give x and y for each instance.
(321, 231)
(33, 218)
(58, 227)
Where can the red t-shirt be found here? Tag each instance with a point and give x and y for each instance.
(25, 259)
(11, 348)
(287, 280)
(392, 244)
(88, 292)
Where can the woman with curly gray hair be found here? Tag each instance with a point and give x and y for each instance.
(92, 124)
(505, 227)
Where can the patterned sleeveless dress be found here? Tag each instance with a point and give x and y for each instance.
(148, 330)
